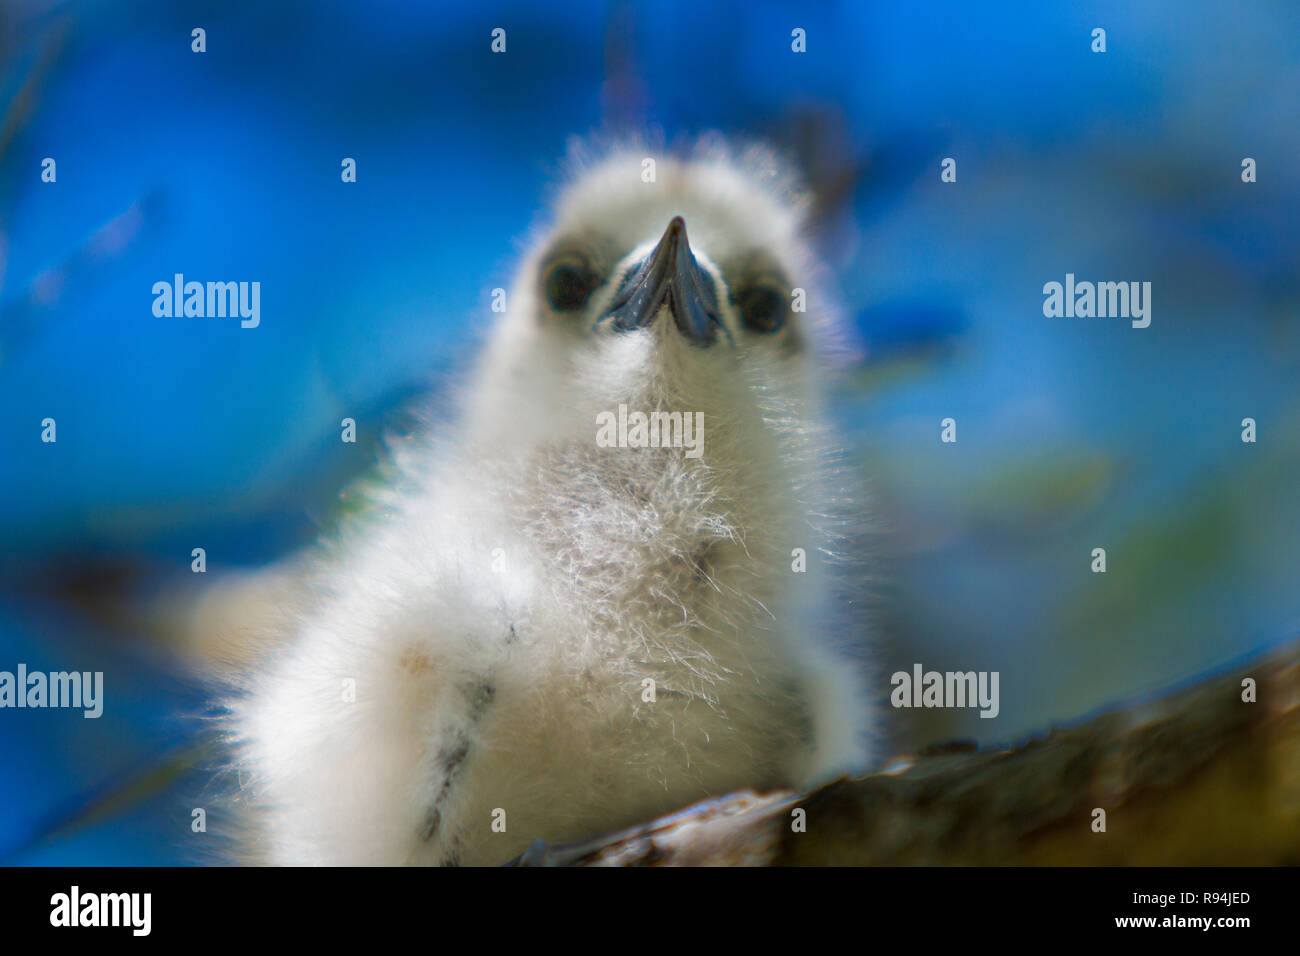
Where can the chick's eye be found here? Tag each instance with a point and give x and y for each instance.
(763, 308)
(569, 283)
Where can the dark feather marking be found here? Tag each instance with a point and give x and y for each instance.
(451, 758)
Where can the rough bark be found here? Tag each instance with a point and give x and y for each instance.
(1199, 776)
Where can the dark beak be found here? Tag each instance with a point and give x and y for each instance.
(669, 274)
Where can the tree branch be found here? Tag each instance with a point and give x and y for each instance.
(1196, 777)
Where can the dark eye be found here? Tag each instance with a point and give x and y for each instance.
(569, 283)
(763, 307)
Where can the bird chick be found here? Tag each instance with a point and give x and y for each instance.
(606, 587)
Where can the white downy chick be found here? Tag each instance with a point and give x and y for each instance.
(552, 623)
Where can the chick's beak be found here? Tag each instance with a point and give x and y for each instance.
(670, 274)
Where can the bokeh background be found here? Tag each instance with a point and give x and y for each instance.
(1072, 433)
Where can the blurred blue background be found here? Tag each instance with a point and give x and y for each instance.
(1072, 433)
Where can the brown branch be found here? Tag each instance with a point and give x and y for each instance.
(1197, 777)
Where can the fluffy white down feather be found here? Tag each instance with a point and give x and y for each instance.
(503, 602)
